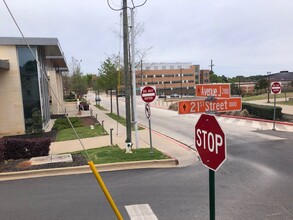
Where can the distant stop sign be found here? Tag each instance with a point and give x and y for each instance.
(148, 93)
(276, 87)
(210, 141)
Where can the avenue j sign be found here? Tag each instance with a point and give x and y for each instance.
(148, 93)
(210, 141)
(218, 105)
(215, 90)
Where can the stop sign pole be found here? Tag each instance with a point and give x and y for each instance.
(210, 142)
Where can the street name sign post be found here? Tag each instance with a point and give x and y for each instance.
(148, 94)
(210, 142)
(276, 88)
(220, 90)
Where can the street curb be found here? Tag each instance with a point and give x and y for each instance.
(167, 163)
(256, 119)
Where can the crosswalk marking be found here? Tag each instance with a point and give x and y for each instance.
(140, 212)
(259, 125)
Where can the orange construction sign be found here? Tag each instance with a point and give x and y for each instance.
(217, 105)
(216, 90)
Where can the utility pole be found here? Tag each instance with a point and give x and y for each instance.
(126, 72)
(133, 79)
(181, 80)
(212, 65)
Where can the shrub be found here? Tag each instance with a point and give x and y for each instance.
(2, 149)
(62, 123)
(173, 106)
(34, 124)
(26, 148)
(244, 113)
(262, 111)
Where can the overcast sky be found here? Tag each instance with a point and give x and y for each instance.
(242, 37)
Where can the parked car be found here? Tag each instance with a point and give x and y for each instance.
(98, 99)
(174, 96)
(162, 96)
(121, 95)
(84, 106)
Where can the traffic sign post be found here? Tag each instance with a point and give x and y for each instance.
(275, 89)
(148, 115)
(210, 142)
(148, 94)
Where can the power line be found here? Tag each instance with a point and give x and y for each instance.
(121, 8)
(46, 78)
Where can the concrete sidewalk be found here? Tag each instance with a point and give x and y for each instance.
(167, 145)
(181, 155)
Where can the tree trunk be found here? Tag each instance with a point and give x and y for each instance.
(117, 103)
(111, 101)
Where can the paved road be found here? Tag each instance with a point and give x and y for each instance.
(254, 183)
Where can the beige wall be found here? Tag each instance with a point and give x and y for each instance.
(57, 87)
(11, 106)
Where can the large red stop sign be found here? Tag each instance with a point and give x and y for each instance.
(210, 141)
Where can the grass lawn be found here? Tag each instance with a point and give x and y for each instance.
(83, 132)
(285, 103)
(112, 154)
(121, 120)
(101, 107)
(265, 96)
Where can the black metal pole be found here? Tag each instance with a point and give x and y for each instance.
(212, 194)
(150, 132)
(126, 73)
(274, 125)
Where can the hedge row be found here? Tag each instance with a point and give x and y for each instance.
(262, 111)
(2, 149)
(15, 148)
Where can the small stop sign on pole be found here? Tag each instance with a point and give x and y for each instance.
(148, 93)
(210, 141)
(276, 87)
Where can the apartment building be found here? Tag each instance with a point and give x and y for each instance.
(170, 78)
(23, 83)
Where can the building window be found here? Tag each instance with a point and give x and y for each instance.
(171, 67)
(163, 67)
(29, 81)
(155, 67)
(179, 67)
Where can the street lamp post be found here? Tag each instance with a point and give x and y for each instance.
(181, 80)
(78, 64)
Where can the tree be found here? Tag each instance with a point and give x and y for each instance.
(217, 79)
(79, 84)
(262, 83)
(108, 76)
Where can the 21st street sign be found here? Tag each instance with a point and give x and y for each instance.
(210, 141)
(202, 106)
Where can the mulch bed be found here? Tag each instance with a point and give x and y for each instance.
(23, 164)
